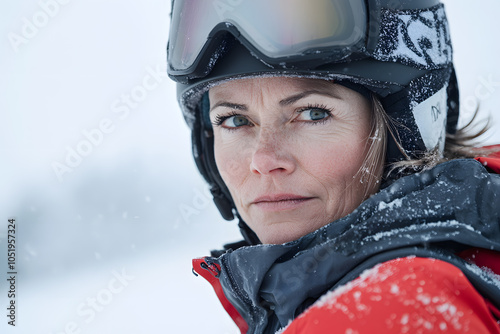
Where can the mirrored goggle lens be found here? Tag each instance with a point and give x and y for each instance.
(276, 28)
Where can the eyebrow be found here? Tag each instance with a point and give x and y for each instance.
(230, 105)
(285, 102)
(294, 98)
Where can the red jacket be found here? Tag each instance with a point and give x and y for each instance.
(410, 295)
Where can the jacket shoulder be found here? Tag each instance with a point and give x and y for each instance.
(492, 161)
(401, 296)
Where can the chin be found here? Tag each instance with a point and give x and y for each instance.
(282, 233)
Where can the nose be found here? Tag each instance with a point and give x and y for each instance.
(272, 154)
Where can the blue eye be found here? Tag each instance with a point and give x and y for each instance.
(314, 114)
(317, 114)
(231, 121)
(236, 121)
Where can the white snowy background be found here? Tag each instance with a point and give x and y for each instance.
(133, 206)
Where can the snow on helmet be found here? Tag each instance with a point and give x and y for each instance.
(400, 50)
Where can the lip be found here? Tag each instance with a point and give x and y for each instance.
(280, 202)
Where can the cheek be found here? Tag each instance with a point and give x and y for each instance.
(337, 158)
(334, 168)
(231, 158)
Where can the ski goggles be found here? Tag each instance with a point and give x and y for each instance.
(279, 32)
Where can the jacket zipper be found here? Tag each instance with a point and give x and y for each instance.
(211, 272)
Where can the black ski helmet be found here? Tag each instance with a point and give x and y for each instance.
(400, 50)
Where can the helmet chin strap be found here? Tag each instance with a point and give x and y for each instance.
(225, 207)
(247, 233)
(203, 151)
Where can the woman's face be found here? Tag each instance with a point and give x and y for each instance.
(290, 151)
